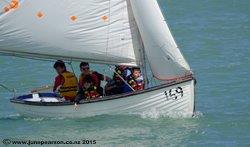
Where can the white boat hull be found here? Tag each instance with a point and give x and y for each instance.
(163, 100)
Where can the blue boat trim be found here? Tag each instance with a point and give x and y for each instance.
(29, 96)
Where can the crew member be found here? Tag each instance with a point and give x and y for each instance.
(116, 85)
(96, 77)
(88, 91)
(135, 80)
(65, 83)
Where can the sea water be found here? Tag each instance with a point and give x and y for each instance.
(214, 36)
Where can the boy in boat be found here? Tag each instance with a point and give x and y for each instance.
(90, 90)
(96, 77)
(135, 80)
(116, 85)
(87, 91)
(66, 82)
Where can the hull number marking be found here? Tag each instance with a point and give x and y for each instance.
(174, 93)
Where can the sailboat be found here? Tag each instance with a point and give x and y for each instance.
(112, 32)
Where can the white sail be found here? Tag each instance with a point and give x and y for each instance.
(99, 31)
(165, 58)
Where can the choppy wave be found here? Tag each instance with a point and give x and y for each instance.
(145, 115)
(198, 114)
(10, 116)
(34, 119)
(18, 116)
(157, 115)
(42, 118)
(154, 114)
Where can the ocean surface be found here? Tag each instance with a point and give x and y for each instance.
(214, 36)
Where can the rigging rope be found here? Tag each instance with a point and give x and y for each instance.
(107, 43)
(72, 68)
(9, 89)
(121, 78)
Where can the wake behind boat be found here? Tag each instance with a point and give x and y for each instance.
(116, 32)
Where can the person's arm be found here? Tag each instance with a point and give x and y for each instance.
(79, 96)
(80, 82)
(55, 84)
(59, 81)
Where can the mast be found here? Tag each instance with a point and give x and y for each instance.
(144, 66)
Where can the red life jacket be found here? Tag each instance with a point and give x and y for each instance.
(139, 86)
(136, 85)
(91, 93)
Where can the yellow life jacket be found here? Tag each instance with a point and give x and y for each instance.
(69, 87)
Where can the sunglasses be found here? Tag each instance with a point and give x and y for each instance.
(85, 68)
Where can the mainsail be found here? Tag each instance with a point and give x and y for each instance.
(99, 31)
